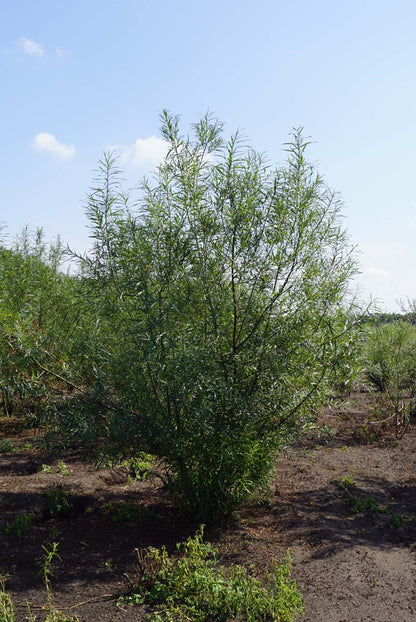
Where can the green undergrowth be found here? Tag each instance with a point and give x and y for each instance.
(360, 503)
(194, 587)
(7, 446)
(19, 525)
(131, 511)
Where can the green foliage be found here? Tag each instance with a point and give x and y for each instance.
(7, 446)
(195, 587)
(57, 502)
(19, 525)
(346, 482)
(364, 504)
(221, 311)
(140, 465)
(63, 469)
(130, 511)
(390, 365)
(358, 503)
(347, 365)
(396, 521)
(41, 321)
(389, 357)
(6, 605)
(51, 554)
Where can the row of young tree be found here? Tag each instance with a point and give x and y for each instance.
(206, 325)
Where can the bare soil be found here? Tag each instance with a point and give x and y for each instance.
(343, 501)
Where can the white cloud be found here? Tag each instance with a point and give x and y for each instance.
(31, 47)
(371, 271)
(48, 142)
(143, 152)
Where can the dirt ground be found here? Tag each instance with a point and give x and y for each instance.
(343, 501)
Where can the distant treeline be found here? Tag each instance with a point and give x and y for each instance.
(389, 318)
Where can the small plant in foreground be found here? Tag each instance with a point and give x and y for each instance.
(54, 615)
(6, 605)
(46, 468)
(50, 554)
(58, 502)
(194, 586)
(19, 525)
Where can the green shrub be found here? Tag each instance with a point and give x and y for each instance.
(220, 311)
(194, 586)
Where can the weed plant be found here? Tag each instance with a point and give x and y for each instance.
(19, 525)
(58, 502)
(7, 609)
(140, 465)
(346, 483)
(63, 469)
(365, 504)
(51, 554)
(194, 586)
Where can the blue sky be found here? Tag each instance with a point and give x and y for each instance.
(80, 76)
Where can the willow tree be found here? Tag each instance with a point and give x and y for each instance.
(221, 294)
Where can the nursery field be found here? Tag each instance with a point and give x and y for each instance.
(343, 501)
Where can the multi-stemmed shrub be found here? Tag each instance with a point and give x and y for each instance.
(220, 305)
